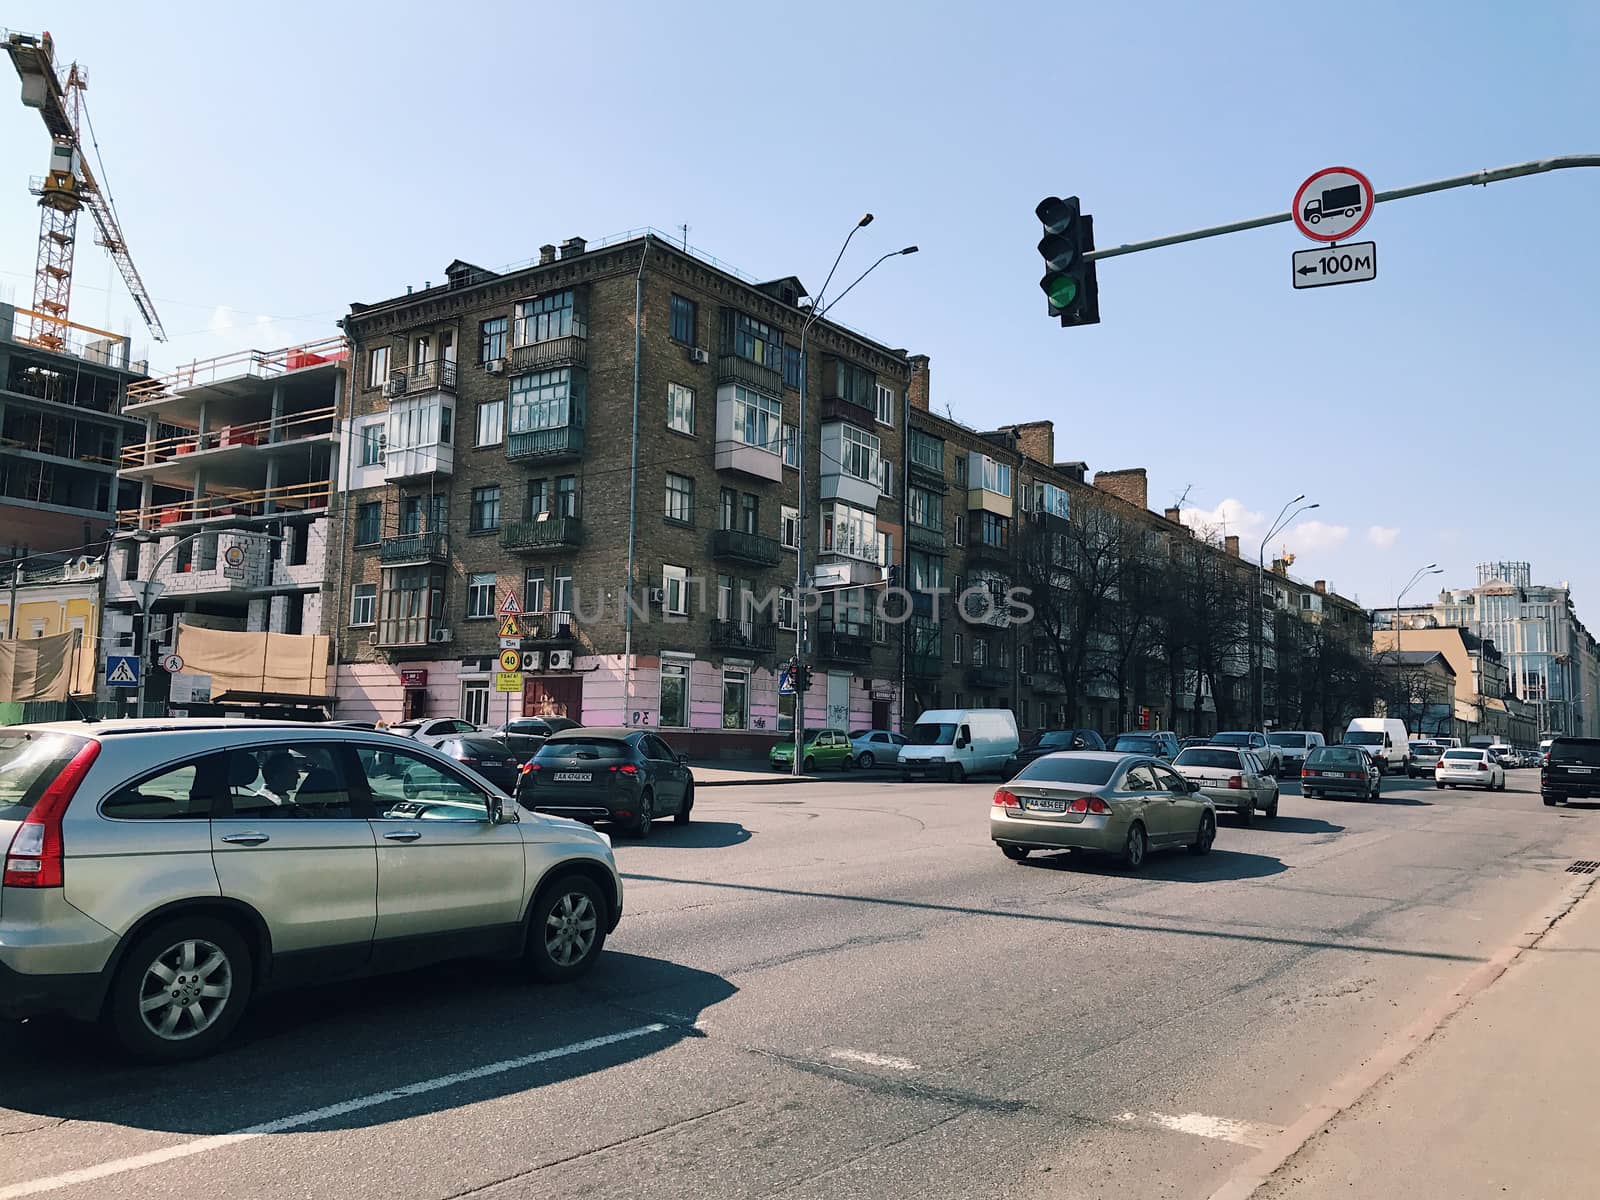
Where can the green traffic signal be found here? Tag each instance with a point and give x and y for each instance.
(1069, 280)
(1061, 289)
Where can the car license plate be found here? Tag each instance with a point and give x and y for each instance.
(1332, 774)
(1579, 770)
(1046, 805)
(573, 776)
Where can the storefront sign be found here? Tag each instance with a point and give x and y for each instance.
(413, 677)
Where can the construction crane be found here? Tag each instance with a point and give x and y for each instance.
(68, 187)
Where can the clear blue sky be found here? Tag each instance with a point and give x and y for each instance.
(272, 163)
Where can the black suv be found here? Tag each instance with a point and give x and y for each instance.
(1571, 769)
(1051, 741)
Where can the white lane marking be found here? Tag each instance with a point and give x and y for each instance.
(867, 1057)
(1220, 1129)
(137, 1162)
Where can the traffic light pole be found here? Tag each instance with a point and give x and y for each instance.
(1476, 179)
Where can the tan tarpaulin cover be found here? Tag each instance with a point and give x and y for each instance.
(290, 663)
(37, 668)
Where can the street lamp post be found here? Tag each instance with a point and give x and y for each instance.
(819, 308)
(150, 591)
(1285, 519)
(1430, 569)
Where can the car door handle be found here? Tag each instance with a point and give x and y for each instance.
(245, 839)
(403, 835)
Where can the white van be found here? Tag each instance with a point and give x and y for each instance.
(956, 743)
(1385, 738)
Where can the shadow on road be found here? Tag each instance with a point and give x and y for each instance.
(301, 1051)
(1167, 867)
(1295, 825)
(698, 835)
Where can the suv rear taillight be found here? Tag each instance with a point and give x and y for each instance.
(36, 854)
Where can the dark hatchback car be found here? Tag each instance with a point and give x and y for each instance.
(487, 755)
(1341, 771)
(524, 735)
(1158, 744)
(1571, 769)
(1051, 741)
(625, 776)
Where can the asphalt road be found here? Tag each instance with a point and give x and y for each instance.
(837, 990)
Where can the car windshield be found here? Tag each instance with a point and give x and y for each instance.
(1581, 751)
(1200, 756)
(1068, 768)
(1231, 739)
(581, 747)
(1363, 737)
(1135, 743)
(28, 762)
(1287, 739)
(1061, 738)
(1334, 756)
(933, 734)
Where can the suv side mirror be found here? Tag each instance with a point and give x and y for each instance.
(683, 760)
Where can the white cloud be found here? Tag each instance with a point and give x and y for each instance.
(1383, 536)
(1316, 535)
(1232, 517)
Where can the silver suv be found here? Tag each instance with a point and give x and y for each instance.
(157, 874)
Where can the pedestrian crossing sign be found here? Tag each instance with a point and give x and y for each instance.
(509, 606)
(122, 670)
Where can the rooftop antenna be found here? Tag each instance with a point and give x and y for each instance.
(684, 229)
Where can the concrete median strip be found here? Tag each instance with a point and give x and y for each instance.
(153, 1158)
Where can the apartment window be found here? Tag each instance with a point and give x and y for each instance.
(538, 501)
(789, 527)
(926, 509)
(561, 589)
(885, 549)
(675, 583)
(369, 523)
(757, 341)
(421, 350)
(541, 400)
(927, 451)
(205, 552)
(996, 477)
(849, 382)
(372, 444)
(674, 692)
(858, 454)
(680, 498)
(364, 604)
(956, 644)
(1002, 654)
(980, 652)
(543, 318)
(475, 702)
(791, 366)
(485, 509)
(791, 445)
(886, 477)
(786, 608)
(750, 513)
(412, 605)
(680, 408)
(567, 496)
(885, 405)
(993, 531)
(685, 318)
(1022, 660)
(926, 570)
(725, 610)
(446, 422)
(961, 470)
(418, 423)
(1022, 713)
(480, 595)
(533, 590)
(958, 532)
(491, 422)
(491, 339)
(130, 558)
(727, 505)
(757, 419)
(880, 631)
(849, 531)
(735, 698)
(378, 366)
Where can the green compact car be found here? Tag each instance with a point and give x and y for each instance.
(823, 748)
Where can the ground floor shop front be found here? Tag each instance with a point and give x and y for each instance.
(707, 708)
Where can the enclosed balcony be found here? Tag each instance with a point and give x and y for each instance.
(745, 637)
(545, 445)
(414, 549)
(735, 545)
(989, 678)
(980, 550)
(542, 535)
(924, 666)
(840, 647)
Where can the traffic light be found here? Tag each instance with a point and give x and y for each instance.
(1069, 280)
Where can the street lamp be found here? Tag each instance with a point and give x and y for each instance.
(819, 307)
(150, 591)
(1430, 569)
(1284, 520)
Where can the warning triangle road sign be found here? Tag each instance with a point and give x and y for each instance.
(509, 605)
(122, 672)
(508, 627)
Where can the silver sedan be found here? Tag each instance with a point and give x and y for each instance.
(1235, 779)
(1120, 804)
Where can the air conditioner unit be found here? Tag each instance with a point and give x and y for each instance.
(561, 660)
(372, 638)
(697, 355)
(440, 635)
(495, 366)
(383, 456)
(533, 660)
(395, 388)
(383, 437)
(658, 596)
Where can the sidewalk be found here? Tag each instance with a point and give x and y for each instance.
(1503, 1101)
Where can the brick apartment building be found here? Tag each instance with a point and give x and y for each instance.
(488, 450)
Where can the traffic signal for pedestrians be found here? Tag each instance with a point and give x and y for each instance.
(1069, 280)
